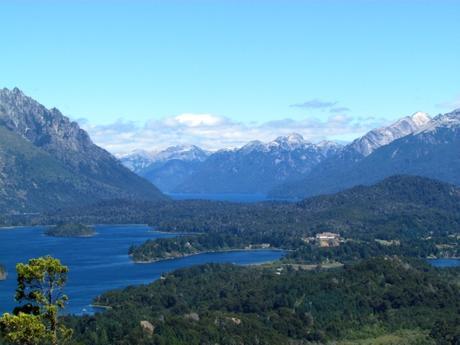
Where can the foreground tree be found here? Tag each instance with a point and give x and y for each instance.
(23, 329)
(40, 284)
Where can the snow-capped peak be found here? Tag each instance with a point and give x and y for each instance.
(181, 152)
(292, 138)
(138, 153)
(140, 159)
(420, 118)
(449, 120)
(327, 146)
(385, 135)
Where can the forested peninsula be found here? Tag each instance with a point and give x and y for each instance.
(385, 300)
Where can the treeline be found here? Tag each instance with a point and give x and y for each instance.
(352, 250)
(224, 304)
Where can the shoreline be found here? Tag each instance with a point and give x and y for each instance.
(76, 236)
(204, 252)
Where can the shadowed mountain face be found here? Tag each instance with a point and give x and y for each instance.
(431, 151)
(47, 161)
(169, 168)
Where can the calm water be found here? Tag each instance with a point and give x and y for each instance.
(100, 263)
(232, 197)
(444, 262)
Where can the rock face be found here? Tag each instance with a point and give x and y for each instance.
(147, 327)
(430, 150)
(48, 161)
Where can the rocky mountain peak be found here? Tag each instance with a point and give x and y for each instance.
(420, 118)
(385, 135)
(450, 120)
(48, 129)
(291, 139)
(182, 152)
(49, 161)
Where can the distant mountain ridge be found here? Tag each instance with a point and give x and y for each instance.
(431, 150)
(168, 168)
(385, 135)
(254, 168)
(139, 161)
(48, 161)
(260, 168)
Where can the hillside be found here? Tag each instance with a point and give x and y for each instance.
(420, 214)
(47, 161)
(224, 304)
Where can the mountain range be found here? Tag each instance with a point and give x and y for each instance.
(168, 168)
(431, 150)
(48, 161)
(255, 168)
(291, 167)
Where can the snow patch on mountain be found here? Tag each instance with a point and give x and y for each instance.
(385, 135)
(449, 120)
(141, 159)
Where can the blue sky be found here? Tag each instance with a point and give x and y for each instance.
(218, 73)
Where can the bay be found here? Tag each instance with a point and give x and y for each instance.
(101, 263)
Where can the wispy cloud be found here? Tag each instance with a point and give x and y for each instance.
(339, 110)
(214, 132)
(450, 105)
(314, 104)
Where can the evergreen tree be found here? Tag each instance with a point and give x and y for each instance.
(40, 284)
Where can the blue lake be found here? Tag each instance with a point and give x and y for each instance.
(231, 197)
(441, 263)
(100, 263)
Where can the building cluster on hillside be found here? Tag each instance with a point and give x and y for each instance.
(328, 239)
(324, 239)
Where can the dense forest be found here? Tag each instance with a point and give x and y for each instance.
(402, 215)
(168, 248)
(225, 304)
(382, 294)
(70, 230)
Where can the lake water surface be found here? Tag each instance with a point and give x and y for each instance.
(441, 263)
(231, 197)
(100, 263)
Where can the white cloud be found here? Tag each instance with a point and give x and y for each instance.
(195, 120)
(214, 132)
(315, 104)
(450, 105)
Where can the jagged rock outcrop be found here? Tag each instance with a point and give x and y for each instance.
(48, 161)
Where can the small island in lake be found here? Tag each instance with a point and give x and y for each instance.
(3, 273)
(71, 230)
